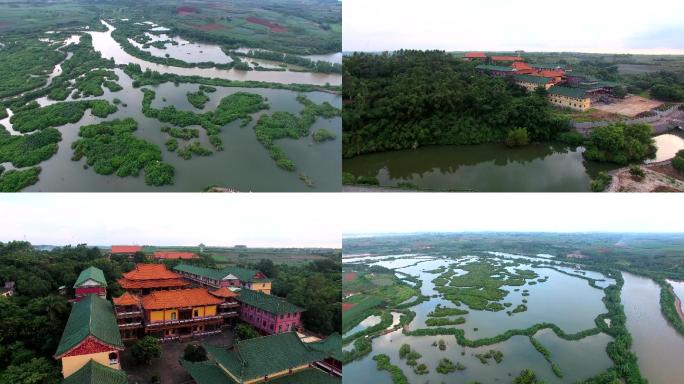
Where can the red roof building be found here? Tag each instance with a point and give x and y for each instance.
(146, 278)
(507, 58)
(555, 75)
(475, 56)
(522, 68)
(124, 249)
(129, 316)
(159, 255)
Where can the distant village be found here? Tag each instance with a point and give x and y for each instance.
(566, 88)
(186, 303)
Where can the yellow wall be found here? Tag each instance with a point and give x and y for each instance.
(163, 315)
(200, 311)
(569, 102)
(262, 287)
(210, 310)
(169, 312)
(532, 86)
(71, 364)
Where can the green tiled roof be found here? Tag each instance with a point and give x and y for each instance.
(495, 68)
(211, 273)
(577, 93)
(92, 316)
(548, 66)
(95, 373)
(309, 376)
(261, 356)
(332, 346)
(532, 79)
(243, 274)
(578, 74)
(91, 273)
(269, 303)
(206, 373)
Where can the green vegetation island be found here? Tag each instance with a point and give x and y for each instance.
(508, 307)
(475, 118)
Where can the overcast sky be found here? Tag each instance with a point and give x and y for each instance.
(533, 212)
(270, 220)
(653, 26)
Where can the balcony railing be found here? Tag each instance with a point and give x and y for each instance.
(130, 325)
(129, 314)
(227, 314)
(183, 321)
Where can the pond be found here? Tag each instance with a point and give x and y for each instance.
(109, 48)
(244, 164)
(567, 301)
(492, 167)
(656, 344)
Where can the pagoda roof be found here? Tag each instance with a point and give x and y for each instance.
(332, 346)
(95, 373)
(175, 255)
(532, 79)
(269, 303)
(150, 272)
(255, 358)
(550, 73)
(506, 58)
(144, 284)
(576, 93)
(224, 293)
(208, 372)
(520, 65)
(126, 248)
(179, 298)
(495, 68)
(91, 316)
(91, 273)
(126, 299)
(242, 274)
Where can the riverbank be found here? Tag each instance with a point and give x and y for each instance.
(678, 305)
(658, 177)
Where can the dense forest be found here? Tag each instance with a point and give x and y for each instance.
(413, 98)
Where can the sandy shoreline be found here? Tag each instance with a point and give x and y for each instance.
(678, 305)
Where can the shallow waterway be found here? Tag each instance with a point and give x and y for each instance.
(656, 344)
(244, 164)
(492, 167)
(109, 48)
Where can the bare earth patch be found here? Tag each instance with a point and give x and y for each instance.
(630, 106)
(347, 306)
(659, 177)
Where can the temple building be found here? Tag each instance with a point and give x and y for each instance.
(267, 313)
(470, 56)
(90, 281)
(506, 58)
(91, 334)
(226, 277)
(163, 255)
(125, 251)
(532, 82)
(146, 278)
(332, 347)
(229, 309)
(129, 316)
(496, 70)
(279, 359)
(574, 98)
(181, 314)
(95, 373)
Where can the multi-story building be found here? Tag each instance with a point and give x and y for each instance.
(229, 309)
(470, 56)
(91, 333)
(276, 359)
(181, 314)
(332, 347)
(129, 316)
(531, 83)
(164, 255)
(125, 251)
(267, 313)
(226, 277)
(497, 70)
(573, 98)
(146, 278)
(91, 281)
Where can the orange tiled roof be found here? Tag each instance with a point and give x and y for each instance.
(126, 248)
(152, 283)
(549, 73)
(223, 292)
(174, 255)
(126, 299)
(506, 58)
(520, 65)
(473, 55)
(150, 272)
(179, 298)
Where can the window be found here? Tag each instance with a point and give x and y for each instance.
(113, 358)
(196, 313)
(173, 315)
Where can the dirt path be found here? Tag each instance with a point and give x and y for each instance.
(659, 177)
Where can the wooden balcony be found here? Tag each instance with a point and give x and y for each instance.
(183, 321)
(138, 324)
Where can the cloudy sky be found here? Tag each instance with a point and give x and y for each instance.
(631, 26)
(277, 220)
(521, 212)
